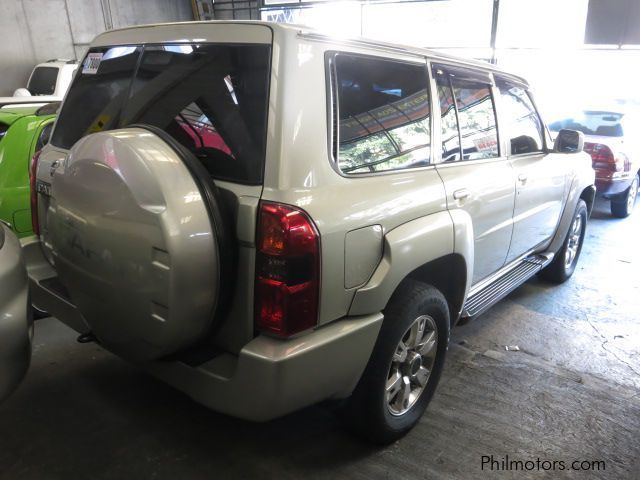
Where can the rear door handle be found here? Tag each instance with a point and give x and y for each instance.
(461, 194)
(522, 178)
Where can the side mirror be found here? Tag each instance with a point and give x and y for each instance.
(569, 141)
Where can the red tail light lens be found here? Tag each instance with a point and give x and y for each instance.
(602, 157)
(33, 169)
(287, 270)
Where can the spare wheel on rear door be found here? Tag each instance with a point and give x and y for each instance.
(139, 241)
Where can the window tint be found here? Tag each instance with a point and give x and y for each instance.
(477, 119)
(43, 81)
(95, 99)
(384, 115)
(523, 124)
(448, 121)
(212, 99)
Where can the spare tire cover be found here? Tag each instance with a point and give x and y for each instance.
(134, 244)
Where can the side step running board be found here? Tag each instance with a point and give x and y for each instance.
(495, 291)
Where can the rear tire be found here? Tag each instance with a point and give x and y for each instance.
(622, 205)
(405, 366)
(564, 263)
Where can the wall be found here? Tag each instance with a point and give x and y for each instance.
(35, 30)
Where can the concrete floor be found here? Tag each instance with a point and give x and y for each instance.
(572, 392)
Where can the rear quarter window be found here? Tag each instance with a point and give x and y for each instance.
(383, 114)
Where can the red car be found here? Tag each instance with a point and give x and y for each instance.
(611, 138)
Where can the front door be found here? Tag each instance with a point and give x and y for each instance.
(540, 176)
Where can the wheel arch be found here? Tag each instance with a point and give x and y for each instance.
(436, 249)
(589, 195)
(448, 275)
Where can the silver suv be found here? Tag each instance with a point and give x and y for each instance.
(265, 217)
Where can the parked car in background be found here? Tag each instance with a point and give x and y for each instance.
(16, 321)
(612, 138)
(265, 229)
(48, 82)
(24, 130)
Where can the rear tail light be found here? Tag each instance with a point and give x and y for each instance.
(33, 170)
(287, 270)
(602, 157)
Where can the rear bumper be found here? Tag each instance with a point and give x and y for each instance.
(267, 379)
(609, 187)
(15, 316)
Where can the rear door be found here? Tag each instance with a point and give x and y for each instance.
(540, 175)
(478, 179)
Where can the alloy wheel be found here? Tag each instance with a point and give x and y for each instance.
(573, 244)
(412, 365)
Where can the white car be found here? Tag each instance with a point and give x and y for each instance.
(48, 82)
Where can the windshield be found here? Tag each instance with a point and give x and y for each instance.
(211, 98)
(43, 81)
(604, 124)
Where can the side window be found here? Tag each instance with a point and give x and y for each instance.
(524, 127)
(477, 119)
(384, 117)
(448, 120)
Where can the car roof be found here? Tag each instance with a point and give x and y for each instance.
(23, 110)
(166, 32)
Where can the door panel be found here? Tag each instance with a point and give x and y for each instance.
(540, 176)
(540, 191)
(489, 201)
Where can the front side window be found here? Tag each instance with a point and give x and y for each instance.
(384, 116)
(524, 128)
(43, 81)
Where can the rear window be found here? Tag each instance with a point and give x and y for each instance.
(43, 81)
(604, 124)
(212, 98)
(383, 110)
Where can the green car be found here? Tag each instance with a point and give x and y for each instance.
(24, 130)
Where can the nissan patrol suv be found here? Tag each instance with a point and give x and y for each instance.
(265, 217)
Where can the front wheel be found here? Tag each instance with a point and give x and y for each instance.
(564, 263)
(405, 366)
(622, 205)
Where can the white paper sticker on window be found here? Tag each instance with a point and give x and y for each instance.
(91, 63)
